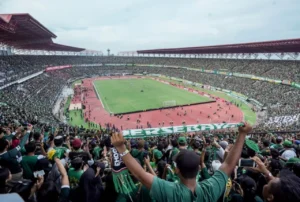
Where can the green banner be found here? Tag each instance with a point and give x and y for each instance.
(3, 104)
(152, 132)
(238, 95)
(296, 85)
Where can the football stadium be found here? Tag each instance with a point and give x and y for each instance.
(202, 123)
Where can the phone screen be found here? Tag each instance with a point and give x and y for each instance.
(246, 163)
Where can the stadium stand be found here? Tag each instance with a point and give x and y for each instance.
(43, 159)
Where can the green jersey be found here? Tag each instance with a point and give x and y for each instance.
(174, 151)
(28, 164)
(208, 190)
(277, 146)
(140, 193)
(74, 177)
(96, 152)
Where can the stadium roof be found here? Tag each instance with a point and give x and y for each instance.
(22, 31)
(279, 46)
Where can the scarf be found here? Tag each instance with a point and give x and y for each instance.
(121, 177)
(154, 132)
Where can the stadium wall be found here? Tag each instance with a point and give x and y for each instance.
(153, 109)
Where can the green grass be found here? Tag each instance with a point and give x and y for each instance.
(124, 95)
(250, 116)
(67, 104)
(78, 121)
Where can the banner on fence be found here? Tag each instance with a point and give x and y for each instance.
(152, 132)
(242, 75)
(286, 82)
(238, 95)
(256, 102)
(283, 120)
(57, 68)
(296, 85)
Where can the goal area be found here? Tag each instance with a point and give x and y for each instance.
(169, 103)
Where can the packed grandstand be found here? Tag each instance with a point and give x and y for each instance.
(51, 113)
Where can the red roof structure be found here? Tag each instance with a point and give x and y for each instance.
(22, 31)
(280, 46)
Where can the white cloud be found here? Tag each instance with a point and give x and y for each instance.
(123, 25)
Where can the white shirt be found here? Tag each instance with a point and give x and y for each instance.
(287, 154)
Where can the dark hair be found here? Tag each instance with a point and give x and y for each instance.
(3, 144)
(152, 144)
(296, 169)
(51, 138)
(251, 152)
(77, 163)
(188, 163)
(4, 173)
(288, 187)
(254, 140)
(160, 146)
(266, 143)
(275, 166)
(174, 143)
(30, 147)
(36, 136)
(48, 192)
(249, 188)
(58, 142)
(274, 153)
(278, 141)
(196, 144)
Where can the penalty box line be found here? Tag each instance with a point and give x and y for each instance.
(101, 99)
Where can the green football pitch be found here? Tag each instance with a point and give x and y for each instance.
(125, 95)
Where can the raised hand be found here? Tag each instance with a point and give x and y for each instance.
(117, 140)
(246, 128)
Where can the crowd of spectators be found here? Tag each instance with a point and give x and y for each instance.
(41, 163)
(36, 96)
(43, 160)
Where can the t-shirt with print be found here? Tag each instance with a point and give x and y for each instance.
(74, 177)
(28, 164)
(206, 191)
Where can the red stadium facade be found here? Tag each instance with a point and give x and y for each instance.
(279, 48)
(23, 32)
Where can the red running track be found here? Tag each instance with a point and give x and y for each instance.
(95, 112)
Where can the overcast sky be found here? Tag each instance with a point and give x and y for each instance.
(129, 25)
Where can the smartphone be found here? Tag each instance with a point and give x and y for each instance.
(38, 173)
(246, 163)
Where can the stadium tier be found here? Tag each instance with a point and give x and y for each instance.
(111, 128)
(277, 103)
